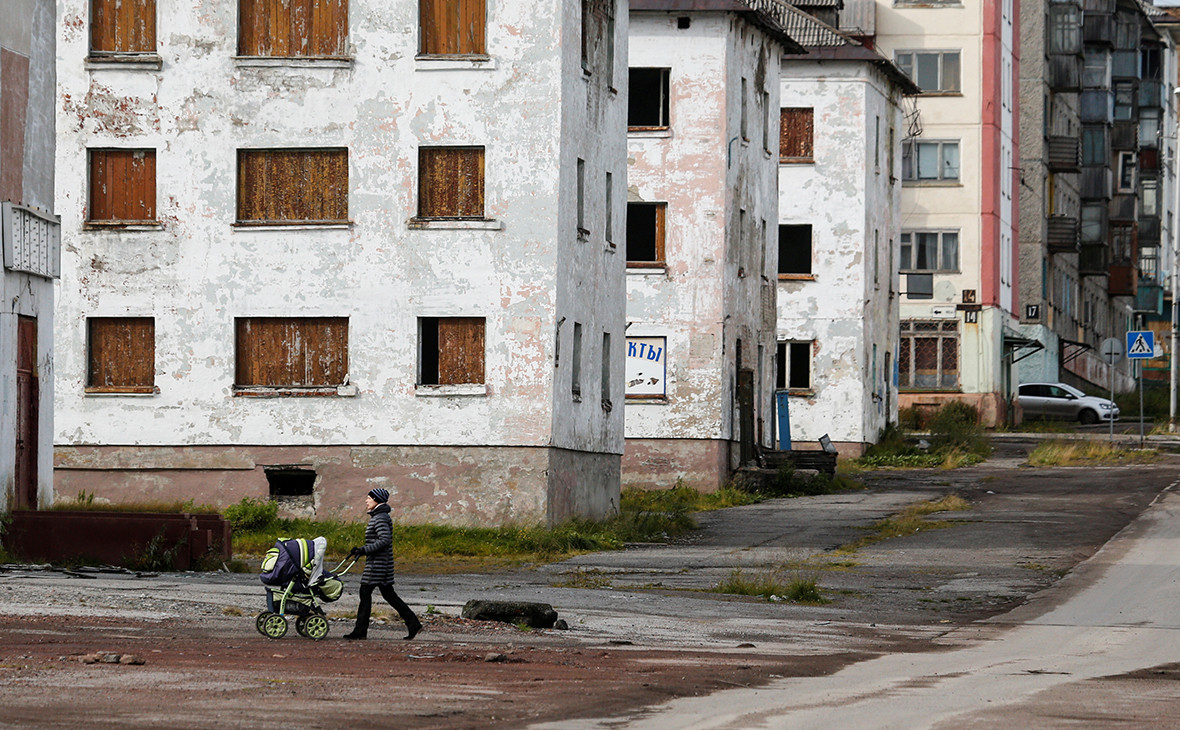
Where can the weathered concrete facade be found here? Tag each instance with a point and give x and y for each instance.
(958, 309)
(708, 298)
(843, 310)
(531, 436)
(31, 258)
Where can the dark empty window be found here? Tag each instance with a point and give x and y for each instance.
(645, 234)
(794, 366)
(647, 103)
(794, 249)
(451, 351)
(290, 481)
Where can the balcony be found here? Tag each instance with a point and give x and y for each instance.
(1097, 106)
(1062, 234)
(1099, 6)
(1065, 72)
(1097, 182)
(1124, 136)
(1123, 280)
(1098, 27)
(1122, 207)
(1149, 231)
(1149, 159)
(1093, 259)
(1149, 299)
(1065, 154)
(1151, 93)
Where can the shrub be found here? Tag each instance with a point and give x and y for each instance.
(955, 427)
(251, 514)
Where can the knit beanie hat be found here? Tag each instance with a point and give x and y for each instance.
(379, 495)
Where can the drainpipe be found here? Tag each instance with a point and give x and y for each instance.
(1172, 355)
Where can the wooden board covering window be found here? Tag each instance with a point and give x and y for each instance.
(122, 356)
(796, 133)
(293, 28)
(460, 350)
(122, 26)
(123, 186)
(291, 352)
(453, 27)
(292, 186)
(450, 182)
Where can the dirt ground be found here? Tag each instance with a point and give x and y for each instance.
(205, 669)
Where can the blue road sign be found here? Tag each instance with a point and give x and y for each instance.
(1141, 345)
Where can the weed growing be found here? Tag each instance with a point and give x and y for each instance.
(909, 521)
(777, 583)
(1088, 453)
(956, 440)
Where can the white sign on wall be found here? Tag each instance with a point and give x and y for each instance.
(647, 366)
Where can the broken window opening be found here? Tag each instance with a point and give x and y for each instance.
(648, 104)
(793, 365)
(451, 350)
(794, 249)
(645, 234)
(290, 481)
(293, 28)
(576, 377)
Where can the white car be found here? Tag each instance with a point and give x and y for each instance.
(1058, 400)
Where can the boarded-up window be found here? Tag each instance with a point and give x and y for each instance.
(645, 234)
(450, 182)
(122, 355)
(122, 186)
(453, 27)
(452, 350)
(291, 352)
(292, 186)
(122, 26)
(796, 133)
(293, 28)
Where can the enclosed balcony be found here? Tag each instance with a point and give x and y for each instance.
(1097, 182)
(1125, 136)
(1149, 231)
(1151, 93)
(1062, 234)
(1099, 6)
(1097, 106)
(1123, 280)
(1149, 299)
(1093, 259)
(1098, 27)
(1065, 154)
(1065, 72)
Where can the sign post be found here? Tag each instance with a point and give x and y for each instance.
(1140, 346)
(1112, 352)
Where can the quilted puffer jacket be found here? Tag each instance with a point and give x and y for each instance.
(378, 548)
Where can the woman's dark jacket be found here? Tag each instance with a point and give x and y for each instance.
(378, 548)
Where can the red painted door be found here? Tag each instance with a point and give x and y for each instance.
(27, 399)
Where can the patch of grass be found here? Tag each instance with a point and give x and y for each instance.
(956, 440)
(232, 611)
(909, 521)
(1088, 453)
(1044, 426)
(88, 502)
(581, 578)
(778, 583)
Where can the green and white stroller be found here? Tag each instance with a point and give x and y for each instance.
(296, 584)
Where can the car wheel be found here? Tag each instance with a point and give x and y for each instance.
(1088, 417)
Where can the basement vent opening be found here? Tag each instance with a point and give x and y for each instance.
(288, 481)
(683, 23)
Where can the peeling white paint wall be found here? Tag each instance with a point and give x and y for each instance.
(717, 287)
(850, 196)
(530, 105)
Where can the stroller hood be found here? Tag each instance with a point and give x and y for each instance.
(297, 559)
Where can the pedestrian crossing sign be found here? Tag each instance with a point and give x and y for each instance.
(1141, 345)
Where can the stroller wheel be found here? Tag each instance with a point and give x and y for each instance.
(315, 627)
(300, 623)
(274, 626)
(259, 620)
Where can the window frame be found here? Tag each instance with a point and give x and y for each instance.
(910, 173)
(784, 229)
(135, 46)
(911, 66)
(941, 331)
(787, 353)
(940, 251)
(466, 370)
(475, 41)
(100, 160)
(663, 98)
(139, 379)
(659, 234)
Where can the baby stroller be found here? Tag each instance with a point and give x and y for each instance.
(296, 583)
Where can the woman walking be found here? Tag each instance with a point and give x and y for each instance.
(378, 552)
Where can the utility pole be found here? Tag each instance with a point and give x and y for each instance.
(1175, 272)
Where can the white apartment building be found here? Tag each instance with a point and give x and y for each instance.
(316, 246)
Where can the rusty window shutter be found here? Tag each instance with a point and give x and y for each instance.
(460, 350)
(453, 27)
(122, 355)
(123, 186)
(293, 28)
(292, 187)
(796, 133)
(299, 352)
(122, 26)
(451, 182)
